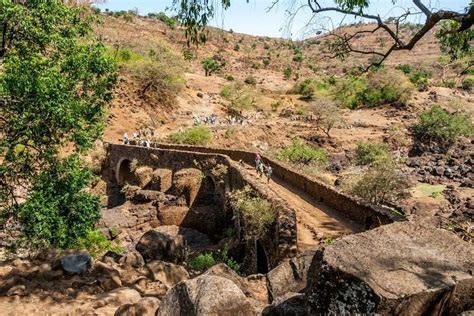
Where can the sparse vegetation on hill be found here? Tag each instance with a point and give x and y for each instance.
(370, 153)
(199, 135)
(210, 65)
(300, 153)
(382, 182)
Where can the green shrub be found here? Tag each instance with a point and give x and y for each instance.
(251, 80)
(309, 87)
(440, 126)
(236, 47)
(244, 101)
(298, 55)
(405, 68)
(266, 62)
(230, 132)
(210, 65)
(256, 65)
(468, 84)
(275, 105)
(377, 88)
(369, 153)
(382, 182)
(450, 83)
(254, 46)
(199, 135)
(188, 54)
(226, 91)
(229, 78)
(256, 214)
(287, 72)
(97, 244)
(171, 22)
(300, 153)
(58, 210)
(420, 78)
(266, 46)
(202, 262)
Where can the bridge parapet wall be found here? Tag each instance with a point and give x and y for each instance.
(367, 215)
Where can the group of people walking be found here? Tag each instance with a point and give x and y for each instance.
(263, 169)
(136, 137)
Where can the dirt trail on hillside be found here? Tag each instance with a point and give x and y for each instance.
(315, 221)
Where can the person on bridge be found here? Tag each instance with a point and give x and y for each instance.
(269, 173)
(260, 169)
(258, 160)
(125, 139)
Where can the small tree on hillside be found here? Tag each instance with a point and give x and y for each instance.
(325, 114)
(210, 66)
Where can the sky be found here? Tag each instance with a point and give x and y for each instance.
(253, 18)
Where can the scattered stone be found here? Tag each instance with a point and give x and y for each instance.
(206, 295)
(163, 243)
(132, 259)
(145, 307)
(167, 273)
(117, 298)
(17, 290)
(76, 263)
(200, 95)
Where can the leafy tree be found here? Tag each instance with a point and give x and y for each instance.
(195, 15)
(211, 65)
(440, 126)
(55, 82)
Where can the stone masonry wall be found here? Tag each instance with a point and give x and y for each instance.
(281, 243)
(369, 216)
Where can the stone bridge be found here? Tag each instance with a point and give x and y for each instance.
(304, 206)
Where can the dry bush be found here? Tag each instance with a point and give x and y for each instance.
(325, 114)
(382, 182)
(160, 74)
(256, 214)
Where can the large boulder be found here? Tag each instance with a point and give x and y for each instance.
(161, 180)
(289, 276)
(253, 286)
(167, 273)
(206, 295)
(402, 268)
(163, 243)
(76, 263)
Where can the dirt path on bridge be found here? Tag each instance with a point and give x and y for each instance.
(315, 221)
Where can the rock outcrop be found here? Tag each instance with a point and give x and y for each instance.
(401, 268)
(290, 276)
(206, 295)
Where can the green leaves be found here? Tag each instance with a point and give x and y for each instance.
(58, 211)
(456, 44)
(55, 83)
